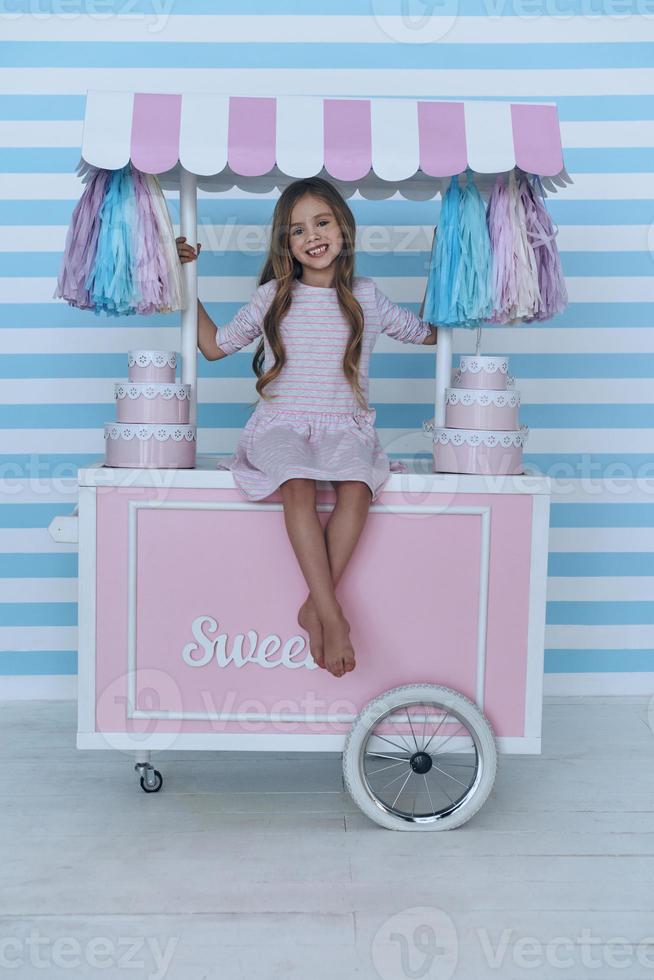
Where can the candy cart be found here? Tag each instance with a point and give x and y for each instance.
(188, 593)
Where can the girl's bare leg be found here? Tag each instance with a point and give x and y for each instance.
(341, 533)
(308, 541)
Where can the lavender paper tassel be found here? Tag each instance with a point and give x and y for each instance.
(542, 235)
(498, 217)
(81, 244)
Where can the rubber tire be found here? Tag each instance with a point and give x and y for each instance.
(157, 786)
(395, 698)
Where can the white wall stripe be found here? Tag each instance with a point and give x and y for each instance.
(395, 440)
(22, 638)
(613, 491)
(559, 589)
(581, 539)
(376, 239)
(541, 391)
(499, 83)
(153, 27)
(408, 289)
(507, 340)
(31, 540)
(595, 589)
(67, 187)
(599, 637)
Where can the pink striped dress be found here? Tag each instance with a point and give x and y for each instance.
(313, 427)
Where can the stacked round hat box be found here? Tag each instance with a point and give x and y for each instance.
(152, 428)
(482, 433)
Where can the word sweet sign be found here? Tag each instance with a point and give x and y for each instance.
(211, 645)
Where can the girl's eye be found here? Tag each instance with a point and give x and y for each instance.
(324, 221)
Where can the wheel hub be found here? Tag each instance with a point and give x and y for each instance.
(420, 762)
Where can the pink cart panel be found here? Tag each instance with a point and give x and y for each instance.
(192, 636)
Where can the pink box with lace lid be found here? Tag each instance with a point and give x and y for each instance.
(152, 365)
(479, 371)
(152, 401)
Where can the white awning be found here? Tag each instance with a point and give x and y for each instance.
(376, 146)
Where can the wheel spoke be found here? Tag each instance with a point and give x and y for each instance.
(390, 783)
(408, 776)
(380, 755)
(459, 725)
(402, 748)
(384, 768)
(408, 718)
(443, 790)
(450, 776)
(431, 802)
(445, 715)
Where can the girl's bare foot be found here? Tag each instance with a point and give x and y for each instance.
(338, 651)
(309, 620)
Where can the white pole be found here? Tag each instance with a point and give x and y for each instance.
(443, 372)
(188, 227)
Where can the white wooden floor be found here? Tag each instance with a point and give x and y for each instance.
(261, 867)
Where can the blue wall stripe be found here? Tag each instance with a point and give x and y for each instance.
(558, 613)
(599, 613)
(37, 565)
(577, 316)
(33, 662)
(568, 564)
(570, 108)
(602, 515)
(38, 614)
(597, 661)
(561, 515)
(28, 264)
(317, 55)
(389, 415)
(403, 365)
(64, 662)
(613, 160)
(413, 9)
(600, 563)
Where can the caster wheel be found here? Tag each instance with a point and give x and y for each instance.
(155, 783)
(420, 757)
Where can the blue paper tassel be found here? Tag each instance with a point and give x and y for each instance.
(474, 282)
(440, 296)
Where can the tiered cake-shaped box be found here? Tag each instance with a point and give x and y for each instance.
(481, 432)
(152, 428)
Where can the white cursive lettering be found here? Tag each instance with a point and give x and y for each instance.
(209, 646)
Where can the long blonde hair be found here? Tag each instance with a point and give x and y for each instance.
(282, 265)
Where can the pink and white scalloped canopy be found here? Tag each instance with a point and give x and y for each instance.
(394, 138)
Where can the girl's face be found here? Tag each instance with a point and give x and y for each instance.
(314, 235)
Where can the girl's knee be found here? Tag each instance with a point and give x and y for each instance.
(353, 488)
(298, 487)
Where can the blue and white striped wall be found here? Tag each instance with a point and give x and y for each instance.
(586, 378)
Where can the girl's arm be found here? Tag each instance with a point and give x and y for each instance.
(401, 323)
(234, 335)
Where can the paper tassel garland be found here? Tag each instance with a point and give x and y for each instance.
(496, 264)
(120, 256)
